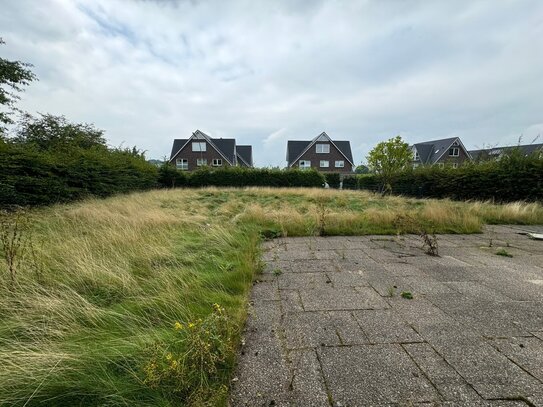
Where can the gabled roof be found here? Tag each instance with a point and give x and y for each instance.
(431, 151)
(245, 154)
(498, 151)
(224, 146)
(297, 148)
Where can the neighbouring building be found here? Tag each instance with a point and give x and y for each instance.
(449, 151)
(200, 150)
(498, 152)
(322, 153)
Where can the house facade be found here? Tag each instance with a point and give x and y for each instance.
(449, 151)
(322, 153)
(200, 150)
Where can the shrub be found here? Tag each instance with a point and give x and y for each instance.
(333, 179)
(240, 177)
(350, 182)
(512, 178)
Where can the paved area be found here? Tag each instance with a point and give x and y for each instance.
(329, 326)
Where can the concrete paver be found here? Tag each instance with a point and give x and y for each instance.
(328, 326)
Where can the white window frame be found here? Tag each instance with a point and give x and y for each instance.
(201, 162)
(340, 164)
(440, 165)
(199, 146)
(306, 164)
(324, 164)
(455, 165)
(417, 157)
(325, 148)
(217, 162)
(182, 164)
(454, 150)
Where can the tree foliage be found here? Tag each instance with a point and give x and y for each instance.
(14, 75)
(389, 158)
(51, 160)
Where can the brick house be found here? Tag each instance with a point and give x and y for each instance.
(322, 153)
(200, 150)
(449, 151)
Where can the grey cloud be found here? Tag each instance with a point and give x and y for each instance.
(263, 72)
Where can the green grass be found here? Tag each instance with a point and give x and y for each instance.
(96, 304)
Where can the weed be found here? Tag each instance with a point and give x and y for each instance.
(429, 243)
(191, 363)
(322, 212)
(277, 272)
(504, 253)
(391, 291)
(407, 295)
(13, 239)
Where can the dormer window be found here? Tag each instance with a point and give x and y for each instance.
(323, 148)
(199, 146)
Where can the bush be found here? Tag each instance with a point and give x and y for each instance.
(513, 178)
(333, 179)
(350, 182)
(240, 177)
(30, 177)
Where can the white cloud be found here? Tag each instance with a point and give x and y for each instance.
(151, 71)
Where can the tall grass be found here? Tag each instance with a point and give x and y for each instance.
(108, 280)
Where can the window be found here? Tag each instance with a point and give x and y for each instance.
(440, 165)
(182, 163)
(325, 164)
(201, 162)
(199, 146)
(304, 164)
(415, 165)
(323, 148)
(340, 164)
(454, 152)
(417, 157)
(455, 165)
(217, 162)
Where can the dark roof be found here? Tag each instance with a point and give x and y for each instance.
(225, 145)
(296, 147)
(497, 151)
(246, 154)
(345, 148)
(431, 151)
(177, 144)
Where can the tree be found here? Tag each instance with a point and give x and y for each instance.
(13, 76)
(49, 132)
(389, 158)
(362, 169)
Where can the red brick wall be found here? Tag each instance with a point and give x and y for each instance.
(192, 156)
(333, 156)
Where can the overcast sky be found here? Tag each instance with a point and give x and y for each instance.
(267, 71)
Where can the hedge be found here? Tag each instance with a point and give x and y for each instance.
(30, 177)
(513, 178)
(239, 177)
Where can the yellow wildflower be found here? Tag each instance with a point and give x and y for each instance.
(178, 326)
(191, 325)
(169, 356)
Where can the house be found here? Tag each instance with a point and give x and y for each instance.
(201, 150)
(498, 152)
(322, 153)
(448, 151)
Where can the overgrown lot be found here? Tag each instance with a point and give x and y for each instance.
(139, 299)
